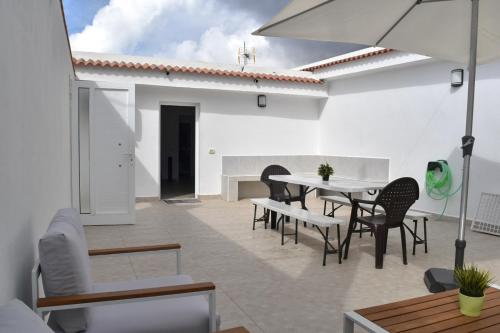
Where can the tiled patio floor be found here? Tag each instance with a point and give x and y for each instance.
(272, 288)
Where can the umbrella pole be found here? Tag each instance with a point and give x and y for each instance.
(467, 139)
(440, 279)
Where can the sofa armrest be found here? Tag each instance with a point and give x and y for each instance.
(135, 249)
(56, 303)
(87, 300)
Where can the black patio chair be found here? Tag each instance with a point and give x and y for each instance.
(278, 190)
(396, 198)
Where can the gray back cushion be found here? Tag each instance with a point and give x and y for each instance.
(15, 317)
(65, 266)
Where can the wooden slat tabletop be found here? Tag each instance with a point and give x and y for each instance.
(435, 313)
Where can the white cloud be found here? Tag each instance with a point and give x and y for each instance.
(122, 25)
(217, 45)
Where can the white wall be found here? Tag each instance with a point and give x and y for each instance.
(35, 72)
(229, 122)
(412, 116)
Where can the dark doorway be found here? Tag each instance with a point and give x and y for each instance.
(177, 150)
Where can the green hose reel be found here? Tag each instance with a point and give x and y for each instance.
(439, 182)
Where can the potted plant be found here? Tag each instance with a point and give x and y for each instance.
(325, 171)
(473, 282)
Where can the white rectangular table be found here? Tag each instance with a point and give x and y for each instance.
(342, 185)
(346, 187)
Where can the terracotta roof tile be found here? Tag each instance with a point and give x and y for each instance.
(350, 59)
(196, 70)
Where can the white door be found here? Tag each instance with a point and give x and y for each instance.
(103, 142)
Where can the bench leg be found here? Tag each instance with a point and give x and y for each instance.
(296, 230)
(282, 219)
(324, 208)
(425, 234)
(303, 193)
(338, 244)
(361, 227)
(325, 250)
(254, 215)
(415, 224)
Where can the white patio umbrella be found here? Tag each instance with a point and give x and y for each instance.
(465, 31)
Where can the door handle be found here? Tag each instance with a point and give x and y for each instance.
(130, 156)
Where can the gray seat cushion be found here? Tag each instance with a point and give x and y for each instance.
(16, 317)
(179, 315)
(65, 266)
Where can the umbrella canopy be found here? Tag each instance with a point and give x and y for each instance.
(435, 28)
(466, 31)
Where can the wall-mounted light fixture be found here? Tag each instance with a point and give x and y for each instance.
(457, 77)
(261, 101)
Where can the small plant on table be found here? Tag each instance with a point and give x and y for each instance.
(473, 282)
(325, 171)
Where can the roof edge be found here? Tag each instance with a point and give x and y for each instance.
(89, 62)
(342, 59)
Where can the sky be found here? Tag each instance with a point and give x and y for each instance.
(196, 30)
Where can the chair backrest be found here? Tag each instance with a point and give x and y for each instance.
(276, 188)
(396, 198)
(65, 266)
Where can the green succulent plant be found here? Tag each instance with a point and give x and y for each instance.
(472, 280)
(325, 170)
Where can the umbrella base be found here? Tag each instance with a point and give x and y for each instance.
(439, 279)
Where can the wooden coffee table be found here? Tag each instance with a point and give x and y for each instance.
(427, 314)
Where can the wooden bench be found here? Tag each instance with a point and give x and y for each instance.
(412, 215)
(299, 214)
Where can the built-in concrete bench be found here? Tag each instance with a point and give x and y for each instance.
(230, 185)
(246, 171)
(412, 215)
(299, 214)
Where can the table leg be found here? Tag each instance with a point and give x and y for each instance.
(341, 248)
(303, 193)
(352, 317)
(273, 219)
(348, 324)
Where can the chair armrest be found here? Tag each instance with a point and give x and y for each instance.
(135, 249)
(70, 301)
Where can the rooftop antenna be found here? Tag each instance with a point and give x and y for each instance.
(245, 56)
